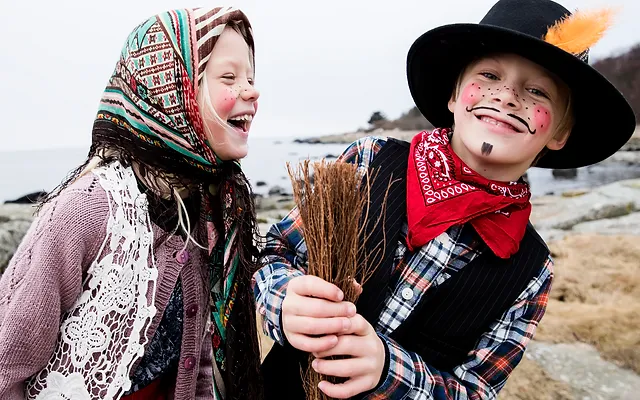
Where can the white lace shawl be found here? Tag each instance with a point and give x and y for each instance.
(105, 332)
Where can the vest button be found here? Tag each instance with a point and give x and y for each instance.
(407, 293)
(189, 363)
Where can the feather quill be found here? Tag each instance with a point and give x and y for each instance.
(580, 31)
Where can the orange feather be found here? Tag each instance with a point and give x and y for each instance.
(580, 31)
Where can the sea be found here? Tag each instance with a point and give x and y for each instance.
(24, 172)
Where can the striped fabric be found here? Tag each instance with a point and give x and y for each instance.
(152, 92)
(497, 352)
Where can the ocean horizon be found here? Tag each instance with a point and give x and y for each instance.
(27, 171)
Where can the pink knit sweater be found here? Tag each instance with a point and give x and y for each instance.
(45, 278)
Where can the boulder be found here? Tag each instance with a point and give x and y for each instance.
(609, 201)
(15, 220)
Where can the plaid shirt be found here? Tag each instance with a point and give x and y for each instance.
(497, 352)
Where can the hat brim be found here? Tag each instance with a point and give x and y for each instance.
(604, 120)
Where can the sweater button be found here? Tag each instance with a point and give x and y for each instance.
(182, 256)
(189, 363)
(192, 310)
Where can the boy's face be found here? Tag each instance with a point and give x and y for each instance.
(506, 111)
(230, 92)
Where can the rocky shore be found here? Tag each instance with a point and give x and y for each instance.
(349, 137)
(588, 344)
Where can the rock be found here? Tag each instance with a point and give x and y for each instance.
(349, 137)
(275, 202)
(628, 157)
(574, 193)
(609, 201)
(15, 220)
(565, 173)
(633, 144)
(626, 225)
(261, 183)
(28, 198)
(552, 235)
(580, 366)
(276, 190)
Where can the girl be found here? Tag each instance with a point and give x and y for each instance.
(134, 280)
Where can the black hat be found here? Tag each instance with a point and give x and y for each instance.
(604, 120)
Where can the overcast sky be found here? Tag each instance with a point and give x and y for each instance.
(321, 66)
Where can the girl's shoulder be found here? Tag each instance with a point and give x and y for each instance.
(80, 210)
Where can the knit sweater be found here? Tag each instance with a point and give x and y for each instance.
(48, 274)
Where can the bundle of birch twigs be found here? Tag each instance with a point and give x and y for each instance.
(333, 201)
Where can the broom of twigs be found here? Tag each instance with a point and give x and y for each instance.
(332, 206)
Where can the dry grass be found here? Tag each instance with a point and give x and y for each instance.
(530, 382)
(596, 296)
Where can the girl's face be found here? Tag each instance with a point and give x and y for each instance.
(227, 88)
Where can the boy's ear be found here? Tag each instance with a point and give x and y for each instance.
(558, 141)
(452, 102)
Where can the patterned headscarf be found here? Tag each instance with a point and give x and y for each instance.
(149, 110)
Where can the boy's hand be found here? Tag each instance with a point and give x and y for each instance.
(313, 314)
(363, 369)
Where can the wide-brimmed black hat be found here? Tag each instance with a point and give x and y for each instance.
(604, 120)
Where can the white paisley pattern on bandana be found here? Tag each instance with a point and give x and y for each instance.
(105, 332)
(440, 178)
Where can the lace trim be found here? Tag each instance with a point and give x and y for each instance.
(106, 331)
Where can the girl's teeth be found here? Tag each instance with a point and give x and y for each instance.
(246, 117)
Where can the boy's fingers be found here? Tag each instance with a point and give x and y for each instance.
(347, 346)
(311, 344)
(346, 390)
(359, 326)
(317, 308)
(343, 368)
(316, 326)
(309, 285)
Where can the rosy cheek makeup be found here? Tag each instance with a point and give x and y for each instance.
(471, 94)
(541, 118)
(225, 101)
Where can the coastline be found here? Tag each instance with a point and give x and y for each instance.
(593, 234)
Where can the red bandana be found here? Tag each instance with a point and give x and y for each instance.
(442, 191)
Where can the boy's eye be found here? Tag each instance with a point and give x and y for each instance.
(538, 92)
(250, 80)
(489, 75)
(229, 76)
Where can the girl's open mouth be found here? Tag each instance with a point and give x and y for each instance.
(241, 122)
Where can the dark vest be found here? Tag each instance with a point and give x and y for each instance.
(449, 320)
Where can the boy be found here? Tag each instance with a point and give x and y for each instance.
(464, 279)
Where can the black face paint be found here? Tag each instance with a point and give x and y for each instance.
(482, 108)
(510, 115)
(486, 148)
(524, 123)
